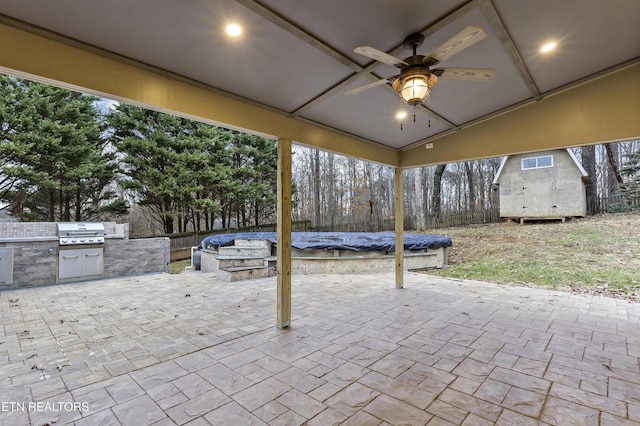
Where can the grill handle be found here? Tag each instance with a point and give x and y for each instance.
(83, 233)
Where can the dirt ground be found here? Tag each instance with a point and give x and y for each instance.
(597, 255)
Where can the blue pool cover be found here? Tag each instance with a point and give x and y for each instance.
(356, 241)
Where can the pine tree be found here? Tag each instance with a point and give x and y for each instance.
(630, 188)
(52, 150)
(150, 150)
(184, 171)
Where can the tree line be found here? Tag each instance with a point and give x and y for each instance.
(614, 169)
(63, 159)
(336, 191)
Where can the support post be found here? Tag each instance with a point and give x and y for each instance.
(284, 234)
(398, 194)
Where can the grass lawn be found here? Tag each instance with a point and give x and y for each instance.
(598, 254)
(178, 266)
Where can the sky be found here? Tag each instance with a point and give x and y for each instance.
(104, 104)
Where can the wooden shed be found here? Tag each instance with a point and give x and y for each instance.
(542, 185)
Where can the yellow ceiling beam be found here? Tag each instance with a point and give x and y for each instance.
(47, 59)
(605, 109)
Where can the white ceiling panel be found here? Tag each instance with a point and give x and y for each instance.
(592, 35)
(347, 24)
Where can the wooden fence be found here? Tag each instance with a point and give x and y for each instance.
(608, 204)
(193, 239)
(364, 226)
(449, 219)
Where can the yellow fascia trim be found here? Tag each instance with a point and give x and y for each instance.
(603, 110)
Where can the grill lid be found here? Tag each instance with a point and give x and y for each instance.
(80, 233)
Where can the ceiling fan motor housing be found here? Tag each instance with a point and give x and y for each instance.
(413, 41)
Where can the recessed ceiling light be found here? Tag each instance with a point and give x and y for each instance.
(233, 29)
(401, 115)
(548, 47)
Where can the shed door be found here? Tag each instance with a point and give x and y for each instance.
(554, 198)
(539, 198)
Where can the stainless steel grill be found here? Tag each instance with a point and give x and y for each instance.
(80, 233)
(81, 253)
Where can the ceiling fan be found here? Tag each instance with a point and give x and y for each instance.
(417, 76)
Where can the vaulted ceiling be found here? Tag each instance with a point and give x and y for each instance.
(295, 59)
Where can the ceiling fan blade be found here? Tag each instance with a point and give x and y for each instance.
(379, 55)
(455, 44)
(368, 86)
(471, 74)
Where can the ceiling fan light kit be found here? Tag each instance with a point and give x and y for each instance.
(415, 85)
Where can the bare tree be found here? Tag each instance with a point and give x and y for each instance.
(437, 190)
(589, 164)
(615, 179)
(468, 167)
(331, 189)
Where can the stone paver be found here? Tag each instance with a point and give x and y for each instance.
(188, 349)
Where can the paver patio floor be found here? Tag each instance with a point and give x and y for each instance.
(187, 349)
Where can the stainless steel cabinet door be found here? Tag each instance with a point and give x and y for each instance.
(6, 265)
(93, 261)
(69, 263)
(75, 263)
